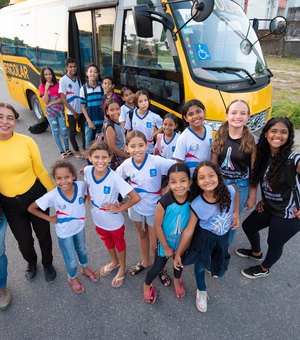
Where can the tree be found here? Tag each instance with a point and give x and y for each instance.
(4, 3)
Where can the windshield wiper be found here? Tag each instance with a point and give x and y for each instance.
(228, 69)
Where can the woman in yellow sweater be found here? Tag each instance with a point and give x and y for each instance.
(23, 179)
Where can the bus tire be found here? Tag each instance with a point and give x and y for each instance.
(36, 108)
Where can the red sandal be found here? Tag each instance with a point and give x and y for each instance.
(179, 292)
(151, 298)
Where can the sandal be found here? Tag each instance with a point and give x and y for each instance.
(117, 281)
(136, 268)
(79, 155)
(63, 155)
(69, 152)
(106, 270)
(151, 298)
(165, 278)
(92, 276)
(179, 292)
(76, 286)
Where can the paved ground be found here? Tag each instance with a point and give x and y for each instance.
(238, 308)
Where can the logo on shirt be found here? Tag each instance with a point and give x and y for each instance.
(106, 190)
(70, 86)
(62, 206)
(149, 125)
(173, 148)
(227, 164)
(153, 172)
(80, 201)
(194, 147)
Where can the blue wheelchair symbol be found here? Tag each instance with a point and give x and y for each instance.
(202, 51)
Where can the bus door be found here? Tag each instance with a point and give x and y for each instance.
(91, 39)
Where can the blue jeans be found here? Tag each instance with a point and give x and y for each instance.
(3, 257)
(58, 127)
(71, 246)
(243, 186)
(199, 271)
(90, 134)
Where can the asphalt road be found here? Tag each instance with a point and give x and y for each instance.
(238, 308)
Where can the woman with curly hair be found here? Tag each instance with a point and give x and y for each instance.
(233, 150)
(214, 211)
(274, 167)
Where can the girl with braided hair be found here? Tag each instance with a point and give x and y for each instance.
(214, 211)
(275, 164)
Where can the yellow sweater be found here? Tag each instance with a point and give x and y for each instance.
(20, 165)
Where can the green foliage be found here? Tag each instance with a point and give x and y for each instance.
(4, 3)
(286, 108)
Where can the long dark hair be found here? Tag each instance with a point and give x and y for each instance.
(221, 192)
(43, 79)
(264, 153)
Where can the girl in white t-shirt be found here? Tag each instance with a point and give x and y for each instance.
(143, 119)
(144, 172)
(69, 219)
(104, 187)
(194, 144)
(128, 98)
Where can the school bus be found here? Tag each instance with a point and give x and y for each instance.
(159, 45)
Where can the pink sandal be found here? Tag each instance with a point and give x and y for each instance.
(77, 287)
(179, 292)
(151, 298)
(93, 277)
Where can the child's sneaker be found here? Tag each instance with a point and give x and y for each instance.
(201, 300)
(248, 253)
(254, 272)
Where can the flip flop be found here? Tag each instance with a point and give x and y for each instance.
(165, 278)
(136, 268)
(93, 277)
(77, 287)
(117, 281)
(179, 292)
(151, 298)
(106, 270)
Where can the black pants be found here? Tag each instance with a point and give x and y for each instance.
(72, 130)
(21, 223)
(280, 231)
(157, 267)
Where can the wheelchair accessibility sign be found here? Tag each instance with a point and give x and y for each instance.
(202, 51)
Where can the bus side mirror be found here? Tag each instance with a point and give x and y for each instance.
(278, 25)
(201, 9)
(143, 17)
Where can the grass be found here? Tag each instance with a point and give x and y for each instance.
(286, 87)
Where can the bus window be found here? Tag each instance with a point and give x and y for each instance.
(151, 53)
(84, 22)
(105, 19)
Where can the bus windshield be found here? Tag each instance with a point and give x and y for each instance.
(214, 47)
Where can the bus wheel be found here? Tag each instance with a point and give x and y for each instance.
(36, 108)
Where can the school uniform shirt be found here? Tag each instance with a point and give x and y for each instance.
(106, 190)
(193, 149)
(145, 124)
(165, 148)
(210, 217)
(70, 213)
(175, 220)
(91, 97)
(71, 89)
(146, 180)
(124, 112)
(234, 164)
(279, 197)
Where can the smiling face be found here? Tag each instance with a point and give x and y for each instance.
(108, 86)
(128, 97)
(48, 76)
(71, 69)
(238, 115)
(207, 179)
(169, 126)
(92, 74)
(64, 179)
(113, 111)
(137, 148)
(277, 136)
(7, 123)
(195, 116)
(100, 160)
(179, 184)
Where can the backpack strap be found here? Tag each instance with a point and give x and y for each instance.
(130, 115)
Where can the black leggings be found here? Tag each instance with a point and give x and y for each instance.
(72, 130)
(280, 231)
(157, 267)
(21, 223)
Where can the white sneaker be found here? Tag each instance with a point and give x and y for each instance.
(201, 300)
